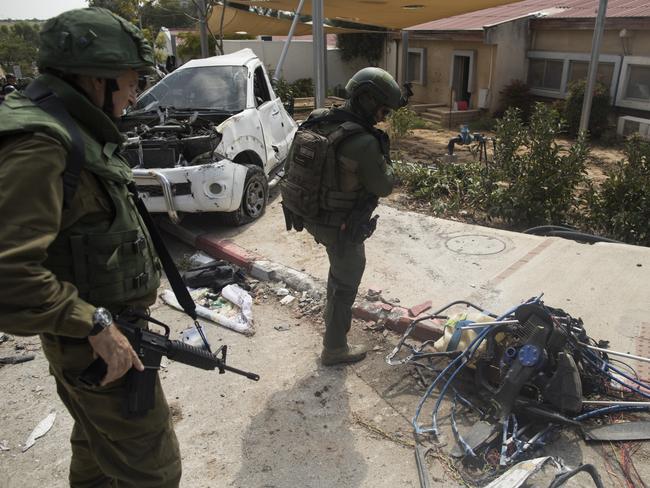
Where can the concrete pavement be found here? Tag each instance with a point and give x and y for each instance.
(414, 258)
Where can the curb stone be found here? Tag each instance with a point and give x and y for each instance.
(396, 319)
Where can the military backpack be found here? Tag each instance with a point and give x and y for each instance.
(310, 188)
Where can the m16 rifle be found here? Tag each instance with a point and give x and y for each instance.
(150, 347)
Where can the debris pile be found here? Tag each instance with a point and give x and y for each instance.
(220, 291)
(515, 379)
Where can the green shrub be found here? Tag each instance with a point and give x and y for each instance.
(534, 180)
(303, 87)
(482, 124)
(448, 188)
(282, 89)
(600, 108)
(517, 95)
(401, 122)
(621, 207)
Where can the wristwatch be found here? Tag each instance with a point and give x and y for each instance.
(102, 318)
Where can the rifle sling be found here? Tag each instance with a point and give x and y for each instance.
(180, 290)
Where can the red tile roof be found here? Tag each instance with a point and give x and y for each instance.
(546, 8)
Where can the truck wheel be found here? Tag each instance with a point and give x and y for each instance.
(254, 198)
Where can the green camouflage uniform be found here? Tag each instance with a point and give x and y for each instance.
(363, 168)
(58, 264)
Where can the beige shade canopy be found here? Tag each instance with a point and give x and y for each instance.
(237, 21)
(391, 14)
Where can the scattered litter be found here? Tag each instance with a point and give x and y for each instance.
(519, 473)
(4, 446)
(40, 430)
(22, 358)
(418, 309)
(215, 275)
(281, 328)
(199, 259)
(231, 318)
(3, 337)
(287, 300)
(191, 337)
(373, 295)
(376, 348)
(282, 292)
(240, 297)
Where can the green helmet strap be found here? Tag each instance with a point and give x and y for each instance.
(110, 88)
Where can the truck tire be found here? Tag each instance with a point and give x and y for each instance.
(254, 198)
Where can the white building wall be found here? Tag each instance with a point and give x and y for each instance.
(299, 60)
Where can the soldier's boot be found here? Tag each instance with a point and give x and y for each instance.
(347, 354)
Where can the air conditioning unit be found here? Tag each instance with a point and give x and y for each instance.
(629, 125)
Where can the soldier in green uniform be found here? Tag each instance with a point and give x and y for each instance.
(356, 171)
(73, 248)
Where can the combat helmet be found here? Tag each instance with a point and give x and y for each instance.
(378, 83)
(93, 42)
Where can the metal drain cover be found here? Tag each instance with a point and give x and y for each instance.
(475, 244)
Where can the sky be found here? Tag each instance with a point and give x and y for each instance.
(37, 9)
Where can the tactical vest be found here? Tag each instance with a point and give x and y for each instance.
(311, 186)
(111, 263)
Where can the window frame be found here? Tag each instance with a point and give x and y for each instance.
(422, 68)
(623, 80)
(566, 59)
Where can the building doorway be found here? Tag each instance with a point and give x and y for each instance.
(461, 81)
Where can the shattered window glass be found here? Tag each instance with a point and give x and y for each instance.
(208, 88)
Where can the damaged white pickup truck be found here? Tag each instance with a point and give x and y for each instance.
(209, 137)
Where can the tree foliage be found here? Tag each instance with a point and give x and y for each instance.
(168, 13)
(535, 179)
(600, 108)
(128, 9)
(365, 45)
(18, 46)
(620, 208)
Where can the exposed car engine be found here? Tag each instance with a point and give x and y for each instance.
(171, 145)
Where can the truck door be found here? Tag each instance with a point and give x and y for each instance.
(273, 124)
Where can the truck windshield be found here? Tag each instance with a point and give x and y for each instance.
(201, 88)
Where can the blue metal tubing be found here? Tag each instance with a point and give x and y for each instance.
(608, 365)
(467, 353)
(426, 395)
(612, 409)
(589, 356)
(470, 350)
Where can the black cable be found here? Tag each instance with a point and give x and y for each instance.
(568, 233)
(632, 370)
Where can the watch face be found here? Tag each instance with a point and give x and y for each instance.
(102, 317)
